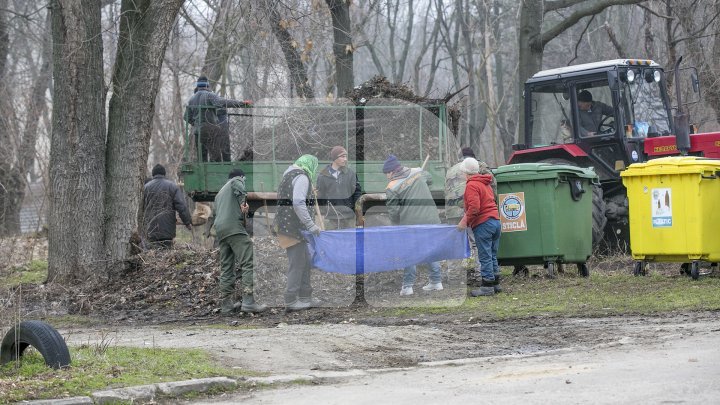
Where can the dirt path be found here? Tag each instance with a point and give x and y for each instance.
(382, 342)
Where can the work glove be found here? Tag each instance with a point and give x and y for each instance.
(315, 230)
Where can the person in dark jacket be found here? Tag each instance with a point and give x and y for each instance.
(482, 216)
(235, 245)
(294, 215)
(202, 113)
(338, 189)
(591, 113)
(409, 202)
(161, 199)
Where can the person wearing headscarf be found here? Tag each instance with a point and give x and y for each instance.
(294, 215)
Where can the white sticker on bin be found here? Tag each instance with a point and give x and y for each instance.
(661, 207)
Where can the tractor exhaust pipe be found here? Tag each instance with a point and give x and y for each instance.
(681, 119)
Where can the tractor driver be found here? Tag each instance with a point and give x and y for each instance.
(591, 113)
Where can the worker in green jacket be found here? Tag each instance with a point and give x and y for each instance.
(235, 245)
(409, 202)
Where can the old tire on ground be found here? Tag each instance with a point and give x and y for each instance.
(39, 335)
(599, 220)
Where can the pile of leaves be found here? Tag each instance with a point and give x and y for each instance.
(380, 87)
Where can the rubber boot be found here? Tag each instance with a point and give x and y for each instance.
(297, 305)
(249, 305)
(228, 305)
(314, 302)
(496, 286)
(486, 289)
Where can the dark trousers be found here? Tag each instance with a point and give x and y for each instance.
(298, 277)
(214, 143)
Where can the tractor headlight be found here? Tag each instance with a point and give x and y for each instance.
(630, 75)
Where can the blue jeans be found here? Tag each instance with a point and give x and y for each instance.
(411, 274)
(487, 240)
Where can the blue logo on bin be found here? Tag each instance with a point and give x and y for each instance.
(511, 207)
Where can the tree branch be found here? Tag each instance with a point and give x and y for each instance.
(582, 34)
(558, 4)
(587, 8)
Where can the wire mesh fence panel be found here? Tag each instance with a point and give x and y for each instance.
(285, 132)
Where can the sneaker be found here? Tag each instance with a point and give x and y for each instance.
(433, 287)
(406, 290)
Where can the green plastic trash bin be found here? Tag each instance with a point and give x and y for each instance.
(546, 215)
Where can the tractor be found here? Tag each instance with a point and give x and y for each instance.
(608, 115)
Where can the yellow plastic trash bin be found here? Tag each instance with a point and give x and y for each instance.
(673, 211)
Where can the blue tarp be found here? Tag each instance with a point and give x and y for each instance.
(385, 248)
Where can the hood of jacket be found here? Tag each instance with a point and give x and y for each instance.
(481, 178)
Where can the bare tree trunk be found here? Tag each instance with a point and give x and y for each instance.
(36, 107)
(706, 60)
(9, 223)
(342, 45)
(298, 73)
(77, 155)
(145, 27)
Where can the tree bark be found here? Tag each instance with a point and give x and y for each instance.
(342, 45)
(77, 154)
(298, 73)
(145, 27)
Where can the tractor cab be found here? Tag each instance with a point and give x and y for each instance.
(596, 114)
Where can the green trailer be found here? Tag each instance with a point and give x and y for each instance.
(266, 139)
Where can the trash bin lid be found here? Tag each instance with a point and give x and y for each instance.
(538, 171)
(673, 165)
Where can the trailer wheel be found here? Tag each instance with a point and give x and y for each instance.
(550, 267)
(583, 269)
(39, 335)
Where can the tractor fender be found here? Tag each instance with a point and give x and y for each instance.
(570, 152)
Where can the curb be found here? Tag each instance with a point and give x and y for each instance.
(147, 393)
(142, 393)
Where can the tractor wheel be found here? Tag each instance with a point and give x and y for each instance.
(599, 220)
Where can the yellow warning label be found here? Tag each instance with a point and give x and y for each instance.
(512, 212)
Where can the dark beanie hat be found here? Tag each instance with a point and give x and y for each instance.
(158, 169)
(236, 173)
(467, 152)
(391, 164)
(336, 151)
(585, 96)
(202, 81)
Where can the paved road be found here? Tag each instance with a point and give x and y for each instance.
(675, 369)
